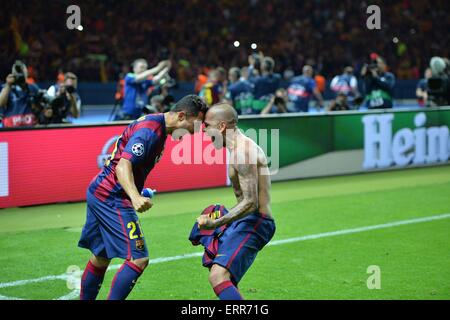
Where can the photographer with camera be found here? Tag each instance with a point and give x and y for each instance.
(438, 85)
(340, 103)
(137, 84)
(422, 90)
(164, 90)
(63, 103)
(156, 105)
(346, 84)
(378, 84)
(278, 103)
(17, 98)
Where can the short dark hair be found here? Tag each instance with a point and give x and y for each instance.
(268, 64)
(221, 70)
(191, 104)
(235, 71)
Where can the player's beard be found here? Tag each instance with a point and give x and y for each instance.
(217, 142)
(216, 138)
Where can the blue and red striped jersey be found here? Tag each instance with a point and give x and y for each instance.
(142, 143)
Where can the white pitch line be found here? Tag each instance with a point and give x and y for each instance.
(111, 267)
(361, 229)
(70, 296)
(23, 282)
(8, 298)
(272, 243)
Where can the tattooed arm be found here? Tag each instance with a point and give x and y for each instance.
(248, 181)
(248, 202)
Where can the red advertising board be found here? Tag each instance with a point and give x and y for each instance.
(56, 165)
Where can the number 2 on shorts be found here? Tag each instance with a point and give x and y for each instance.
(132, 226)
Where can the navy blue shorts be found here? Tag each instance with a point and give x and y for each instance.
(241, 242)
(112, 230)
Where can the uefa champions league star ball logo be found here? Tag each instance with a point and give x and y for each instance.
(138, 149)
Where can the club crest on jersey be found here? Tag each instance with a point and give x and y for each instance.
(140, 244)
(138, 149)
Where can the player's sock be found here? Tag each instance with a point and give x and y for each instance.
(227, 291)
(124, 281)
(91, 281)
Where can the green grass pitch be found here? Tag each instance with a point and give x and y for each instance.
(414, 258)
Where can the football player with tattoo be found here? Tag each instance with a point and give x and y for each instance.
(250, 225)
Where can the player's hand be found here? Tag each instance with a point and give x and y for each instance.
(251, 60)
(272, 99)
(48, 113)
(10, 79)
(165, 64)
(364, 70)
(69, 95)
(206, 223)
(141, 204)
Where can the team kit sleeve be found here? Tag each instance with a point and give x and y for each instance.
(354, 83)
(419, 85)
(130, 79)
(140, 146)
(387, 82)
(333, 84)
(51, 91)
(312, 84)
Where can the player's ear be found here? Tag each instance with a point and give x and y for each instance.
(222, 126)
(181, 116)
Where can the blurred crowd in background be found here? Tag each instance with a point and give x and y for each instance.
(326, 34)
